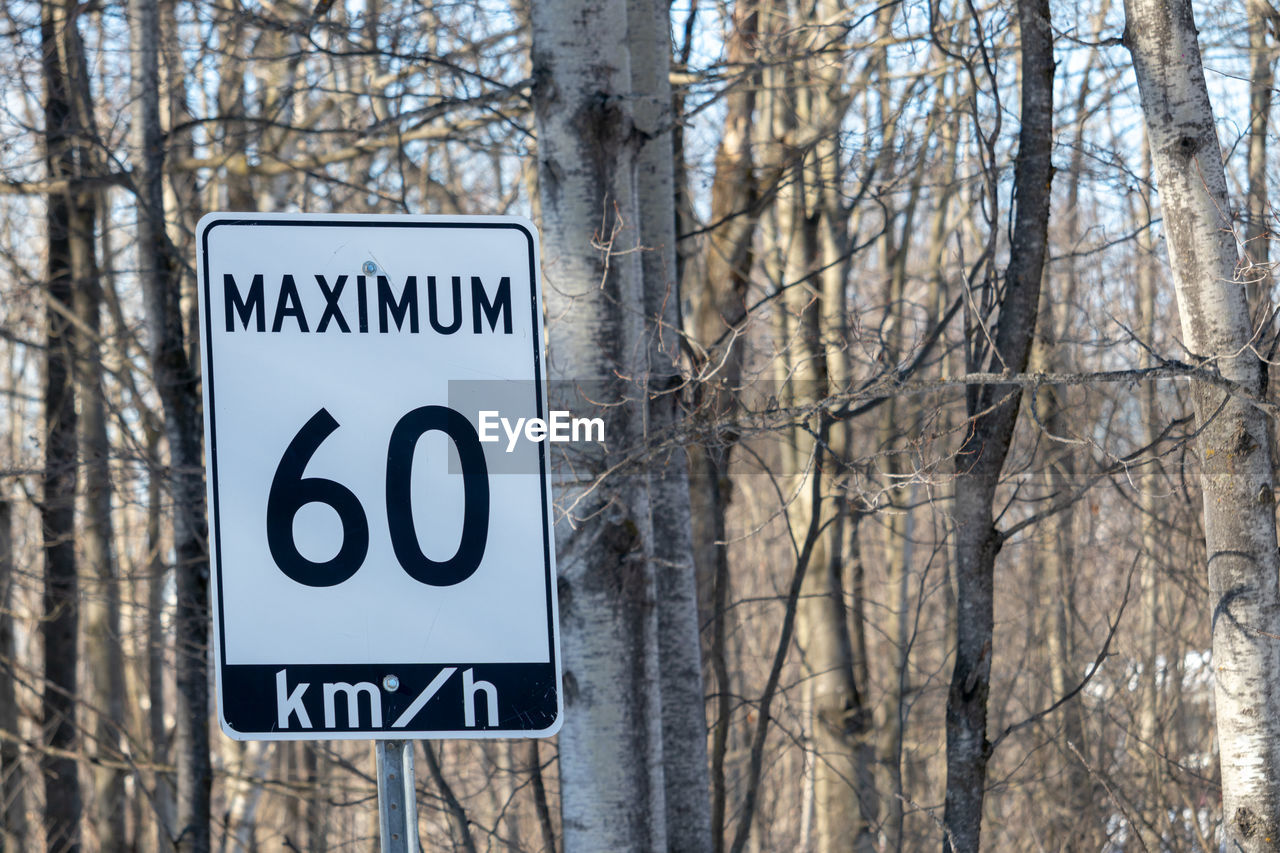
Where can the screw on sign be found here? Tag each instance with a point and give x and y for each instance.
(377, 572)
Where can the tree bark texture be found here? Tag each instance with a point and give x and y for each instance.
(1236, 467)
(611, 770)
(993, 413)
(684, 728)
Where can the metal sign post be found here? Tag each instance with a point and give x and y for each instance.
(397, 811)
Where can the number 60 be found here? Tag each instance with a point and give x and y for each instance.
(290, 492)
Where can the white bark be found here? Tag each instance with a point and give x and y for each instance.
(1236, 472)
(611, 743)
(684, 727)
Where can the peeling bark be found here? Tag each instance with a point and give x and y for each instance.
(611, 768)
(1234, 445)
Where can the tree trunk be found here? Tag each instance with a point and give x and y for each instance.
(1150, 500)
(684, 726)
(1234, 445)
(157, 648)
(716, 294)
(66, 225)
(1074, 812)
(317, 813)
(803, 109)
(538, 792)
(101, 586)
(611, 744)
(103, 640)
(993, 411)
(179, 391)
(1257, 236)
(13, 804)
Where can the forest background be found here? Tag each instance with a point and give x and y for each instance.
(940, 511)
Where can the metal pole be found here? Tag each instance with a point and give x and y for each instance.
(397, 811)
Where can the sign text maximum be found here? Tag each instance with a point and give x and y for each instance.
(249, 305)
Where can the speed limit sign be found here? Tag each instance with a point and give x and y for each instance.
(379, 570)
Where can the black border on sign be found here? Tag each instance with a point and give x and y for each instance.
(540, 729)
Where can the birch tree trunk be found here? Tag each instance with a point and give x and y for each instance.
(993, 410)
(1236, 467)
(684, 728)
(611, 743)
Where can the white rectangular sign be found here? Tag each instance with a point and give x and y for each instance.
(377, 570)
